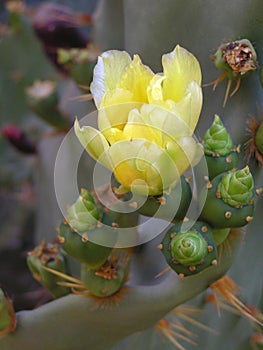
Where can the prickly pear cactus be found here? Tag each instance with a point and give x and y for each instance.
(139, 112)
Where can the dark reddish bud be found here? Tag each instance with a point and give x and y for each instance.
(56, 26)
(19, 139)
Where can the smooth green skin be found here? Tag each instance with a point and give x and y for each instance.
(215, 208)
(93, 255)
(169, 250)
(80, 322)
(218, 165)
(220, 234)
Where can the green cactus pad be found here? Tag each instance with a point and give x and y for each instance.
(84, 214)
(48, 255)
(107, 280)
(166, 204)
(78, 246)
(219, 214)
(189, 252)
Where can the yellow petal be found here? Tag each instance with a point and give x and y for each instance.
(123, 155)
(138, 127)
(107, 73)
(113, 135)
(94, 143)
(142, 166)
(158, 166)
(189, 108)
(116, 115)
(185, 152)
(155, 89)
(136, 79)
(180, 68)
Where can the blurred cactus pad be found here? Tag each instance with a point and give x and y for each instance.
(167, 98)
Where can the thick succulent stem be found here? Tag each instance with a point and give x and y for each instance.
(88, 323)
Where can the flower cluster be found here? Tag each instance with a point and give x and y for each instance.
(145, 120)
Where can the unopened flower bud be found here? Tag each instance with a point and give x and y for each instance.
(237, 188)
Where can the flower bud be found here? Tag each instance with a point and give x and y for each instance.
(230, 200)
(217, 140)
(48, 255)
(237, 188)
(218, 149)
(84, 214)
(189, 252)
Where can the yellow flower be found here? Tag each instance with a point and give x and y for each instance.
(146, 120)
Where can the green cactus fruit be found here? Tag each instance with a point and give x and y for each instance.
(48, 255)
(169, 206)
(259, 138)
(189, 252)
(236, 58)
(218, 148)
(7, 315)
(80, 248)
(107, 280)
(230, 200)
(220, 234)
(84, 214)
(42, 98)
(80, 64)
